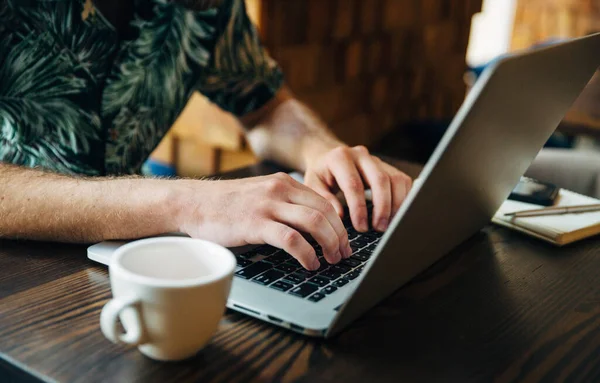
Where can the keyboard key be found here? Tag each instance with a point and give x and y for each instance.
(253, 270)
(340, 282)
(360, 242)
(318, 251)
(330, 274)
(328, 290)
(371, 248)
(350, 262)
(267, 250)
(352, 275)
(304, 290)
(248, 254)
(324, 265)
(286, 267)
(278, 258)
(370, 236)
(243, 262)
(355, 247)
(316, 297)
(281, 286)
(352, 235)
(295, 278)
(361, 256)
(305, 273)
(320, 281)
(341, 269)
(268, 277)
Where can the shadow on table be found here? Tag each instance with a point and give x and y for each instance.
(36, 258)
(444, 321)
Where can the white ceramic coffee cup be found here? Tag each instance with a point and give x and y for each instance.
(169, 294)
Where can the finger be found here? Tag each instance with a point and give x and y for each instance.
(308, 197)
(379, 181)
(292, 242)
(297, 193)
(315, 183)
(401, 185)
(348, 179)
(313, 222)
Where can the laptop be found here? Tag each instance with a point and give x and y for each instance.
(504, 122)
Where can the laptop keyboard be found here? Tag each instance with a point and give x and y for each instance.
(273, 267)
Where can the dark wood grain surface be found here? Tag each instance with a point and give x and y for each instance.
(500, 307)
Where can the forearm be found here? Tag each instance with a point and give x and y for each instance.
(288, 132)
(45, 206)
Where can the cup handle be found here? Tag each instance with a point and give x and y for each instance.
(108, 321)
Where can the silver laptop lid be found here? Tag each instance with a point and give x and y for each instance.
(504, 122)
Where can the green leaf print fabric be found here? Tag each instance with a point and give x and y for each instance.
(77, 99)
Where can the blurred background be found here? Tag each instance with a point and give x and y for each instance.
(389, 74)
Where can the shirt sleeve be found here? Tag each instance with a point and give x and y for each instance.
(51, 64)
(242, 77)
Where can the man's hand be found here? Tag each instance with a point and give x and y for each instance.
(349, 170)
(287, 131)
(272, 209)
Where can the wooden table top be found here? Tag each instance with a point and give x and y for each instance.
(500, 307)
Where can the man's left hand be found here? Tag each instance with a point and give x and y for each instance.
(351, 170)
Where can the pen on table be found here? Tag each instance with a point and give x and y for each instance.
(555, 211)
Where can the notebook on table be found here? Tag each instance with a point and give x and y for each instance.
(557, 229)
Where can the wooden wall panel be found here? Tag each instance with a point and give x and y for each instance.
(538, 20)
(369, 65)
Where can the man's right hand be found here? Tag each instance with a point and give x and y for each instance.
(272, 209)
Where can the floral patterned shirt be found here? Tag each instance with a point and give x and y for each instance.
(78, 97)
